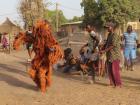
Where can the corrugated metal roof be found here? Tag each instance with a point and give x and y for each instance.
(72, 23)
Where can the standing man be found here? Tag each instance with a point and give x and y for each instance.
(112, 48)
(92, 45)
(29, 45)
(130, 45)
(93, 40)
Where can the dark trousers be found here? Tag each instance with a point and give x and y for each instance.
(91, 71)
(68, 68)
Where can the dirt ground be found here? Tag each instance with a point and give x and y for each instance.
(16, 87)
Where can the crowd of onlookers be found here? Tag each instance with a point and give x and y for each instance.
(100, 57)
(97, 57)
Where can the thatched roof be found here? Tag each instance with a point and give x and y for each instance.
(8, 26)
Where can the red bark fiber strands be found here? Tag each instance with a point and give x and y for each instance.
(47, 52)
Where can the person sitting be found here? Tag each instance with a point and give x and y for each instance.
(82, 61)
(70, 60)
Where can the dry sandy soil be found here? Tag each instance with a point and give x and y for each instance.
(16, 88)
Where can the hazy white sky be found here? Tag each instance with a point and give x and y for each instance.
(70, 7)
(8, 8)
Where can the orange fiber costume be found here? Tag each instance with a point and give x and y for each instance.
(47, 52)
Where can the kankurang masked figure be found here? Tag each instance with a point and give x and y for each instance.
(47, 52)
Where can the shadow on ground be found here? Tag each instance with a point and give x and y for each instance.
(127, 81)
(76, 78)
(16, 82)
(131, 82)
(19, 57)
(12, 69)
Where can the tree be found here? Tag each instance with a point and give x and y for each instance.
(31, 10)
(103, 11)
(137, 6)
(51, 16)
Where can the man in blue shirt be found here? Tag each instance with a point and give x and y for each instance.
(130, 45)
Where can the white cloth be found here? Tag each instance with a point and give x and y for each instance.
(91, 56)
(92, 33)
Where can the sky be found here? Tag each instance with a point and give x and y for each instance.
(69, 7)
(8, 8)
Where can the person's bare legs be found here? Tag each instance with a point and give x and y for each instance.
(131, 64)
(30, 54)
(127, 63)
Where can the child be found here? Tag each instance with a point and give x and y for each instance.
(101, 65)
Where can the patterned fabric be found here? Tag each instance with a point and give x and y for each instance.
(4, 41)
(92, 41)
(70, 59)
(115, 41)
(83, 59)
(130, 39)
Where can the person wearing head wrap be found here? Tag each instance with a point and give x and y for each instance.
(113, 53)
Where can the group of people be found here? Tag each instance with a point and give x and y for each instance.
(100, 57)
(96, 57)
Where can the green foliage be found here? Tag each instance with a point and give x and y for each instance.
(103, 11)
(32, 10)
(51, 16)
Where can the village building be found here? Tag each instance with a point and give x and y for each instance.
(72, 27)
(9, 27)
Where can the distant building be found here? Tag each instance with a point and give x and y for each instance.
(135, 25)
(72, 27)
(9, 27)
